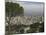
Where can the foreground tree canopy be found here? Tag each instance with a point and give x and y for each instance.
(13, 9)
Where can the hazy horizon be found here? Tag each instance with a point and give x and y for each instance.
(32, 8)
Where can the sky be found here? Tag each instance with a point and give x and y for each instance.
(31, 8)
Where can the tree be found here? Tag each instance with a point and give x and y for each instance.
(42, 27)
(12, 9)
(34, 27)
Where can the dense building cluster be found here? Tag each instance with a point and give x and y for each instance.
(25, 24)
(25, 20)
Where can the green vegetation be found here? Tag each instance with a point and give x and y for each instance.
(35, 27)
(13, 9)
